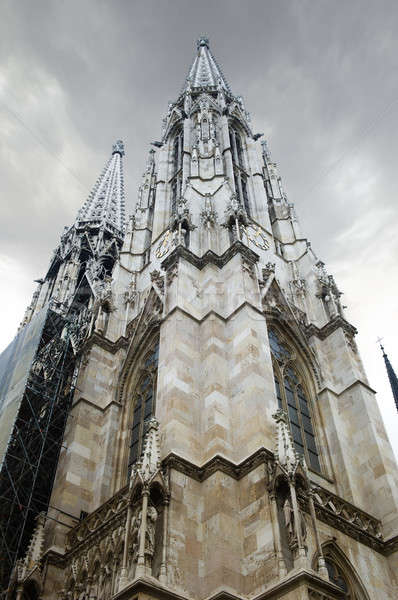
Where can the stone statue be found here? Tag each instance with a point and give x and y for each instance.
(289, 521)
(152, 517)
(288, 514)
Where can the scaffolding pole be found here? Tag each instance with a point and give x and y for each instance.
(30, 462)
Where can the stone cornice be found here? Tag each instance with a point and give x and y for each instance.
(210, 257)
(213, 313)
(152, 588)
(96, 339)
(102, 409)
(323, 332)
(391, 545)
(218, 463)
(351, 385)
(302, 577)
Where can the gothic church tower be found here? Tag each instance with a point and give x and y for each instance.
(223, 440)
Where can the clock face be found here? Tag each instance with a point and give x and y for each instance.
(255, 234)
(164, 245)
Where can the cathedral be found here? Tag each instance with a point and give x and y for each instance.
(195, 422)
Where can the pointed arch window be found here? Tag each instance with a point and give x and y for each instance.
(336, 576)
(342, 574)
(176, 168)
(144, 403)
(240, 176)
(293, 398)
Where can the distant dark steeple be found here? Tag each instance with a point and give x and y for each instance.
(391, 376)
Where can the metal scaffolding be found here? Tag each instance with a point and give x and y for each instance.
(30, 462)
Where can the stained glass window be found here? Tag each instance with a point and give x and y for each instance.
(144, 404)
(293, 399)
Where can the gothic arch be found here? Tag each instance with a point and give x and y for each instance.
(281, 319)
(145, 328)
(295, 391)
(339, 566)
(134, 373)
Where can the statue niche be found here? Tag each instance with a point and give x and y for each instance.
(287, 525)
(153, 535)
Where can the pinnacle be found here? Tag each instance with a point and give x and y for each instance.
(105, 205)
(118, 147)
(202, 41)
(205, 72)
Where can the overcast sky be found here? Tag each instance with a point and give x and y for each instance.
(318, 77)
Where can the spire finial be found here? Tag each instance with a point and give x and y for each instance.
(118, 148)
(203, 40)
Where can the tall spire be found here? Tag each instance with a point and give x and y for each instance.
(205, 72)
(391, 376)
(105, 206)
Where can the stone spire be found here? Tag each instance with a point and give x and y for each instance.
(205, 72)
(105, 206)
(391, 376)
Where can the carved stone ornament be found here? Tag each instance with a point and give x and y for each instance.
(257, 236)
(158, 281)
(165, 244)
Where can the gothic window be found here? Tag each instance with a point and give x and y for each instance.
(245, 196)
(240, 176)
(144, 404)
(342, 574)
(174, 193)
(294, 400)
(176, 170)
(336, 576)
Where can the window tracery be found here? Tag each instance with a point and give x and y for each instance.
(294, 399)
(144, 404)
(176, 170)
(240, 176)
(342, 574)
(336, 576)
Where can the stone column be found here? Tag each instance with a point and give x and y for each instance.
(277, 534)
(296, 512)
(123, 575)
(140, 570)
(163, 566)
(323, 572)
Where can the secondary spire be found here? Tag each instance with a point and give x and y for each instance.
(105, 206)
(205, 71)
(391, 376)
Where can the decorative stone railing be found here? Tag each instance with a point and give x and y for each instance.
(347, 518)
(98, 524)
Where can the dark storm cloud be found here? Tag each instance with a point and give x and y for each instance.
(319, 78)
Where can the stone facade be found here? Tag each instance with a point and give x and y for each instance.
(237, 491)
